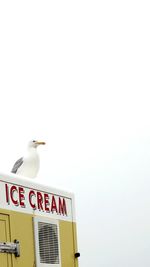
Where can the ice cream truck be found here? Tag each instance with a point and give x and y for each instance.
(37, 225)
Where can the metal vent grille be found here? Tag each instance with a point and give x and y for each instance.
(48, 243)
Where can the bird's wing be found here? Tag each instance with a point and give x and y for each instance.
(17, 165)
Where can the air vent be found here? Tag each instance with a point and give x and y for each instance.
(47, 242)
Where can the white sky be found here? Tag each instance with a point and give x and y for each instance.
(76, 75)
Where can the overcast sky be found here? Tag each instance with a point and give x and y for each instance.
(77, 75)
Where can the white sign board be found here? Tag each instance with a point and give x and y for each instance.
(30, 199)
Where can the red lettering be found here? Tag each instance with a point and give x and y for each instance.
(46, 202)
(53, 205)
(7, 194)
(21, 197)
(62, 206)
(40, 201)
(37, 200)
(31, 194)
(12, 190)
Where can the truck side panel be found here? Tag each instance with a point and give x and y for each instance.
(21, 228)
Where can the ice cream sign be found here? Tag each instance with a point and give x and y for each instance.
(30, 200)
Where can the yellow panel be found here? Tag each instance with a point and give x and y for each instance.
(5, 258)
(22, 230)
(67, 244)
(75, 242)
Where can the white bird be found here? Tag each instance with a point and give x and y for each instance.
(29, 164)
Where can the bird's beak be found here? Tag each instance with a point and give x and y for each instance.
(40, 143)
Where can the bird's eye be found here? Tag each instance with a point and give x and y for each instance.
(33, 141)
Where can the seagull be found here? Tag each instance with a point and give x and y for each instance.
(29, 164)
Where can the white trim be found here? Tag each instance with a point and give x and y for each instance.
(27, 182)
